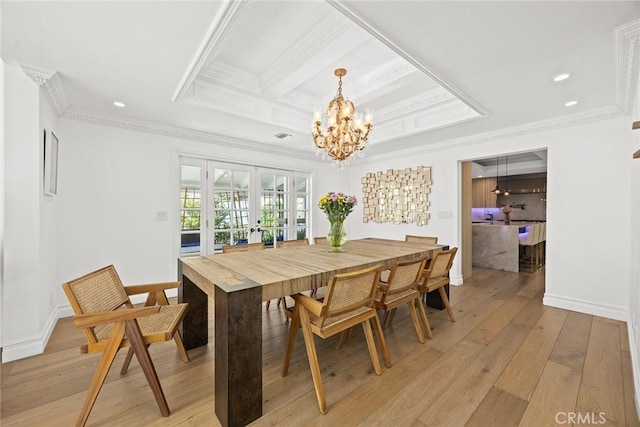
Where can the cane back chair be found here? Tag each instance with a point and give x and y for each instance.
(110, 322)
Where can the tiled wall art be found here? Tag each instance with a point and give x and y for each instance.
(398, 196)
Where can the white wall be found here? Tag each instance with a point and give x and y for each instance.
(2, 180)
(112, 182)
(588, 263)
(634, 287)
(21, 301)
(48, 228)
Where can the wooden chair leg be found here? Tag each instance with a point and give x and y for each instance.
(392, 314)
(127, 361)
(423, 314)
(372, 346)
(416, 322)
(445, 301)
(291, 339)
(108, 355)
(142, 354)
(349, 335)
(305, 322)
(268, 304)
(385, 318)
(340, 339)
(180, 344)
(383, 343)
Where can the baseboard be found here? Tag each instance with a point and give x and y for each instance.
(455, 280)
(587, 307)
(36, 345)
(33, 346)
(635, 367)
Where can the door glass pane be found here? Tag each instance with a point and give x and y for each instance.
(231, 210)
(222, 178)
(241, 180)
(302, 212)
(274, 207)
(266, 182)
(190, 205)
(301, 185)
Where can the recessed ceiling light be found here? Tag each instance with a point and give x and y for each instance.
(282, 135)
(561, 77)
(119, 104)
(570, 103)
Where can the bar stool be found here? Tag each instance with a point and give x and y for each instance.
(528, 243)
(543, 243)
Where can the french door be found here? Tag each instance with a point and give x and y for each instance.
(242, 204)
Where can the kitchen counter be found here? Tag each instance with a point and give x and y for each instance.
(496, 245)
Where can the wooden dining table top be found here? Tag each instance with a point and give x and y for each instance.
(289, 270)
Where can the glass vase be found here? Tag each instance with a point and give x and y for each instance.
(336, 235)
(507, 218)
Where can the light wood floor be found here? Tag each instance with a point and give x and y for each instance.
(507, 361)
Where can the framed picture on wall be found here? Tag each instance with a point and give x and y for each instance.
(50, 162)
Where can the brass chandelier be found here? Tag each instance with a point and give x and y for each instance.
(346, 131)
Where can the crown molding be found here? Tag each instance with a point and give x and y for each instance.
(627, 45)
(181, 133)
(51, 82)
(227, 75)
(223, 24)
(414, 104)
(346, 11)
(38, 75)
(516, 131)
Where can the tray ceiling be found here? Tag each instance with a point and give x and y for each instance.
(241, 72)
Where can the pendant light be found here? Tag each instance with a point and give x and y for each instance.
(506, 190)
(497, 190)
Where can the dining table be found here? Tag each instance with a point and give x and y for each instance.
(239, 282)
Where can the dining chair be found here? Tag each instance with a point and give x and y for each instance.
(436, 276)
(109, 321)
(432, 240)
(289, 243)
(319, 240)
(348, 302)
(402, 288)
(242, 247)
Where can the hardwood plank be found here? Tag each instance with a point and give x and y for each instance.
(571, 346)
(486, 331)
(555, 393)
(408, 404)
(601, 390)
(522, 373)
(498, 408)
(375, 393)
(631, 414)
(463, 395)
